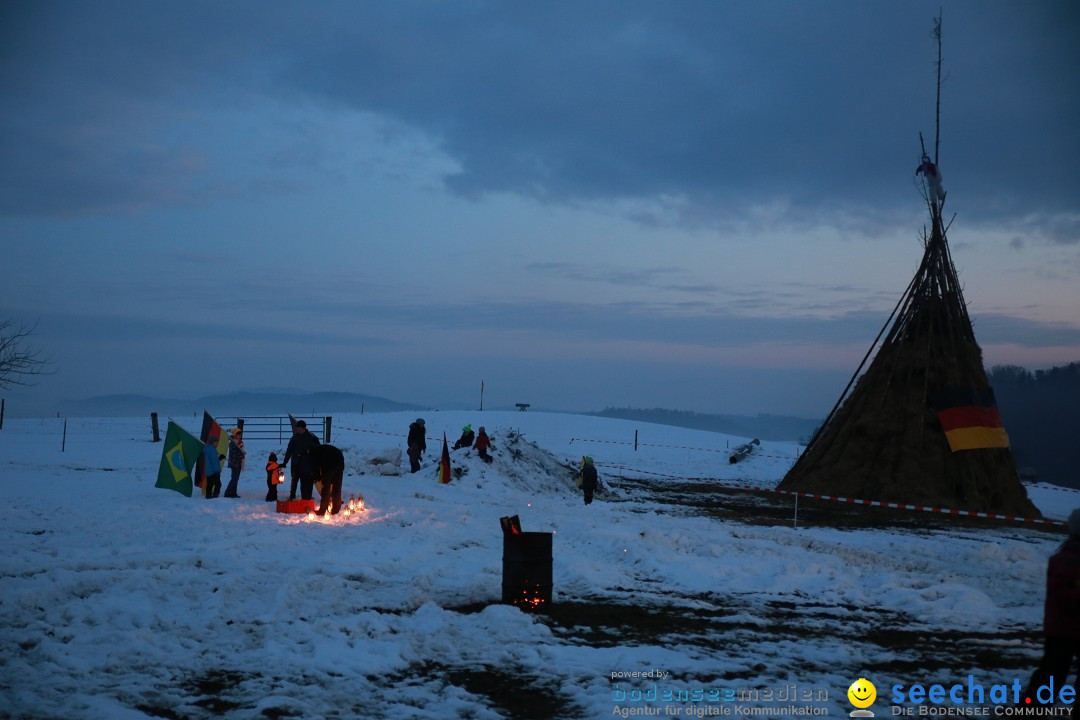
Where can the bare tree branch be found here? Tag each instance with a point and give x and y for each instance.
(18, 361)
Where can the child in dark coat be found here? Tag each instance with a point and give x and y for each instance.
(588, 478)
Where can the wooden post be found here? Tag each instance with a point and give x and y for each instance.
(795, 520)
(63, 443)
(481, 396)
(635, 441)
(1, 413)
(327, 422)
(240, 424)
(361, 408)
(154, 427)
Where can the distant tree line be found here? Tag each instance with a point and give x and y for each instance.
(1041, 412)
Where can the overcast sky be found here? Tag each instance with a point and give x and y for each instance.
(702, 205)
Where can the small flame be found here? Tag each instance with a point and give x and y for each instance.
(531, 598)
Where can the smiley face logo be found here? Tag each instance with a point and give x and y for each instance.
(862, 693)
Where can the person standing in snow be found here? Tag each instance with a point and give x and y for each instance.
(483, 442)
(466, 439)
(1061, 621)
(236, 462)
(330, 467)
(212, 461)
(272, 469)
(301, 451)
(417, 444)
(588, 478)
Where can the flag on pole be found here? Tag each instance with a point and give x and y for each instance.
(214, 436)
(444, 464)
(177, 459)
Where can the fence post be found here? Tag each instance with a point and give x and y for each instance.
(635, 441)
(63, 443)
(327, 422)
(240, 424)
(1, 413)
(154, 427)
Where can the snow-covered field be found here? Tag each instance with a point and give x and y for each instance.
(122, 600)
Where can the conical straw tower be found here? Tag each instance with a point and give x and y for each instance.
(920, 426)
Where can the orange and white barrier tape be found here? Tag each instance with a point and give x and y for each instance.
(727, 451)
(854, 501)
(1044, 486)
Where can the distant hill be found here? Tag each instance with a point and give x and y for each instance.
(763, 427)
(236, 404)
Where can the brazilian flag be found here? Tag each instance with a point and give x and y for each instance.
(177, 459)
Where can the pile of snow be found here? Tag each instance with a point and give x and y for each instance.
(379, 461)
(124, 600)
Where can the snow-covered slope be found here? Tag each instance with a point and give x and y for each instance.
(124, 600)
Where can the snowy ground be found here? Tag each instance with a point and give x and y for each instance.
(122, 600)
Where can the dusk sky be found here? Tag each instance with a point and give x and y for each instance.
(699, 205)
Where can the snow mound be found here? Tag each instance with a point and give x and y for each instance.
(517, 463)
(386, 461)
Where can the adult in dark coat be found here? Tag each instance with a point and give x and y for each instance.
(1061, 622)
(236, 461)
(417, 444)
(330, 464)
(588, 479)
(300, 451)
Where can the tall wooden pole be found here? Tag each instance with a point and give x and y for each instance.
(937, 116)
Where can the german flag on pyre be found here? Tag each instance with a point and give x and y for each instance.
(970, 418)
(444, 463)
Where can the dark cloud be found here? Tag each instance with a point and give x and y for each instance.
(811, 107)
(995, 328)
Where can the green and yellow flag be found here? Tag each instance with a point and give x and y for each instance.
(177, 459)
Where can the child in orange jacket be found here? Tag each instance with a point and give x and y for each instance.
(272, 479)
